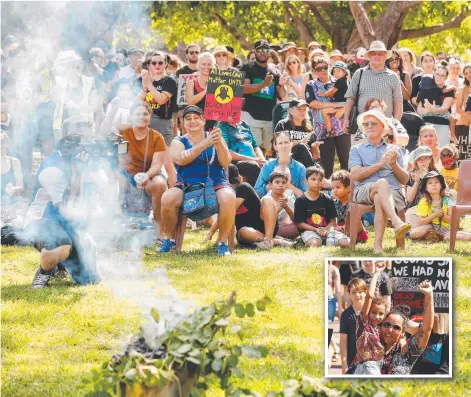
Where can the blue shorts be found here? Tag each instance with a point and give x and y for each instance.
(331, 308)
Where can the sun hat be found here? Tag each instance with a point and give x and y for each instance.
(432, 174)
(192, 109)
(317, 53)
(421, 151)
(375, 113)
(336, 53)
(292, 44)
(314, 43)
(339, 65)
(65, 57)
(223, 50)
(377, 46)
(135, 50)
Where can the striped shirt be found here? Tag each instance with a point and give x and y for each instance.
(383, 85)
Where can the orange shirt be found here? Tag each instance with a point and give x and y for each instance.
(134, 159)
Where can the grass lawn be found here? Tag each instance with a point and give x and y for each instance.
(52, 338)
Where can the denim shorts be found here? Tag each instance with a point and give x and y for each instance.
(332, 308)
(309, 234)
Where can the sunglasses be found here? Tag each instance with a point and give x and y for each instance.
(262, 50)
(370, 124)
(321, 68)
(293, 63)
(388, 325)
(443, 76)
(394, 59)
(157, 63)
(221, 55)
(193, 52)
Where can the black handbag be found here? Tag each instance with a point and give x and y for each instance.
(353, 125)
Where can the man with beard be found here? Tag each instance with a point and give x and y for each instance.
(263, 84)
(192, 53)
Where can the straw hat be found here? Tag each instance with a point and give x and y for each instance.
(221, 49)
(291, 44)
(375, 113)
(336, 53)
(377, 46)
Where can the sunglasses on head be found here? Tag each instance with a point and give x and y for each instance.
(157, 63)
(262, 50)
(193, 52)
(321, 68)
(388, 325)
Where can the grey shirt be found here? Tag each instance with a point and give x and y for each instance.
(366, 154)
(383, 85)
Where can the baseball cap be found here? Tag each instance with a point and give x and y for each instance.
(192, 109)
(135, 50)
(261, 43)
(295, 103)
(420, 152)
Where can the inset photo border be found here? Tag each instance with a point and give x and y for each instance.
(375, 323)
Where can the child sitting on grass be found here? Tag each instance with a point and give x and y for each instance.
(315, 213)
(284, 201)
(433, 223)
(449, 157)
(337, 93)
(370, 351)
(340, 182)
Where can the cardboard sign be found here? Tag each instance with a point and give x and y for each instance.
(224, 96)
(464, 143)
(182, 81)
(408, 274)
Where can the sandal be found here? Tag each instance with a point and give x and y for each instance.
(335, 357)
(403, 230)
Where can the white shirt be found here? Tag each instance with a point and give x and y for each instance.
(128, 73)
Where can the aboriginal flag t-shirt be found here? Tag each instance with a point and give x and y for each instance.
(260, 104)
(165, 111)
(317, 213)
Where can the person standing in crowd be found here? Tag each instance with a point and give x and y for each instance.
(378, 181)
(243, 147)
(395, 64)
(192, 53)
(409, 62)
(464, 122)
(132, 71)
(454, 78)
(193, 153)
(223, 58)
(336, 56)
(428, 62)
(305, 145)
(294, 78)
(160, 91)
(441, 56)
(117, 111)
(437, 112)
(377, 81)
(338, 141)
(173, 65)
(262, 86)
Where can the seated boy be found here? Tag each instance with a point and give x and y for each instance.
(449, 157)
(315, 213)
(340, 182)
(337, 93)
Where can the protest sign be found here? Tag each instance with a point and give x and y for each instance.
(224, 96)
(408, 273)
(182, 82)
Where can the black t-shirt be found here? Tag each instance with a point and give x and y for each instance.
(415, 85)
(435, 358)
(317, 213)
(109, 71)
(185, 70)
(348, 324)
(342, 87)
(249, 212)
(260, 104)
(296, 132)
(438, 96)
(468, 105)
(165, 111)
(382, 285)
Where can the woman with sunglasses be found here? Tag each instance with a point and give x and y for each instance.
(160, 91)
(223, 57)
(294, 78)
(395, 64)
(337, 141)
(398, 361)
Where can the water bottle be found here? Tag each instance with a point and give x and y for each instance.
(330, 241)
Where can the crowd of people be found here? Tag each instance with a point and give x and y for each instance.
(377, 338)
(271, 178)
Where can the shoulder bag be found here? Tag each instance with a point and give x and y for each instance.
(353, 125)
(199, 199)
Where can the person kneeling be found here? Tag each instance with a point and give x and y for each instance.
(315, 213)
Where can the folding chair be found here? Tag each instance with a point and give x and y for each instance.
(463, 201)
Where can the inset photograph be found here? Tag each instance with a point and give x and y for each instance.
(388, 317)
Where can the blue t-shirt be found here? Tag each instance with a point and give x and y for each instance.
(239, 139)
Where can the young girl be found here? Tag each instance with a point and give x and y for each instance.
(370, 351)
(423, 162)
(433, 210)
(449, 157)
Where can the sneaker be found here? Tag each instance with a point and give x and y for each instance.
(167, 245)
(362, 236)
(223, 249)
(41, 280)
(287, 243)
(265, 244)
(359, 136)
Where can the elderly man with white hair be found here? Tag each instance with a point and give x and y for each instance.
(377, 169)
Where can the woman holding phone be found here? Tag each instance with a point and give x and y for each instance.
(305, 146)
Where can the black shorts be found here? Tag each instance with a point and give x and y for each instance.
(258, 225)
(345, 273)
